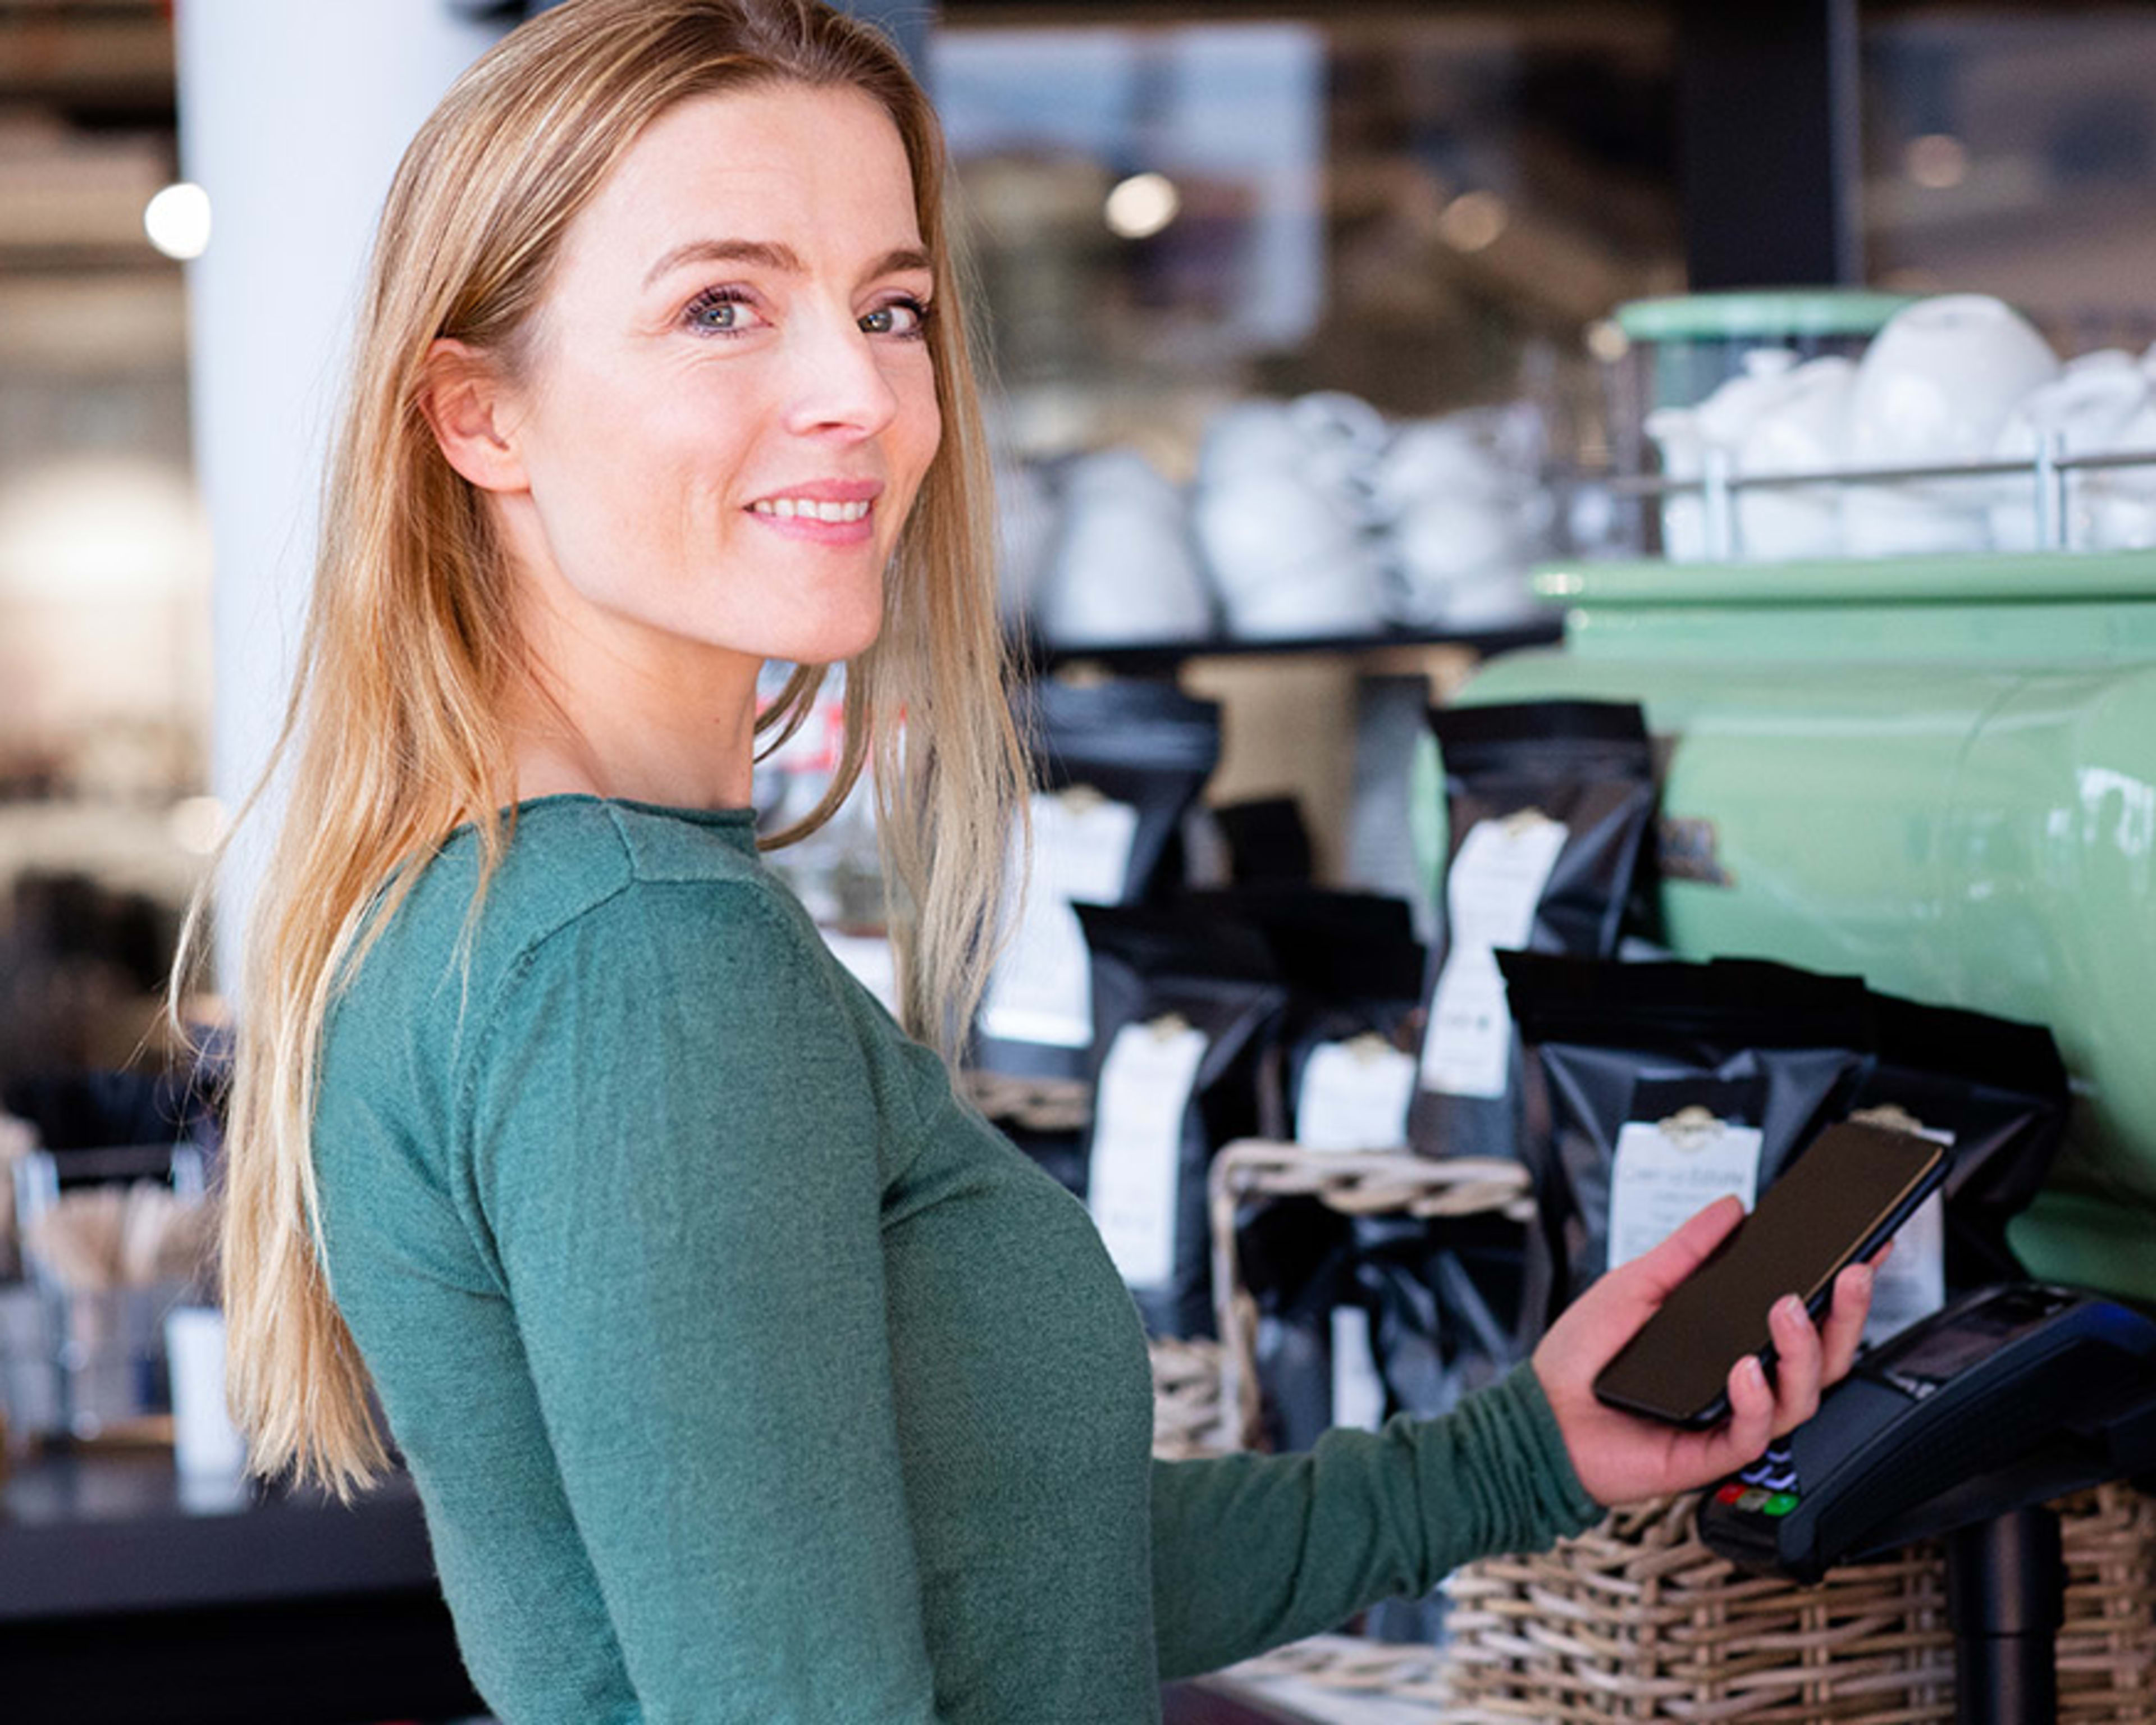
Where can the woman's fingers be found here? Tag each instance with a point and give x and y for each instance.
(1845, 1321)
(1742, 1437)
(1796, 1361)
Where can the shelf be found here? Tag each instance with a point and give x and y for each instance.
(1161, 658)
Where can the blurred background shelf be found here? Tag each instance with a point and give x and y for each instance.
(1154, 658)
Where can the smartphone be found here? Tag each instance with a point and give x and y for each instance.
(1837, 1203)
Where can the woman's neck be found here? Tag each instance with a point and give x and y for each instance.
(669, 727)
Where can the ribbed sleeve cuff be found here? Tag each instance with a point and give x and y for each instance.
(1527, 1495)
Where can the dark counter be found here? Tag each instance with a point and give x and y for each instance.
(131, 1597)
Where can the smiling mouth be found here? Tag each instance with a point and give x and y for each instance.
(787, 508)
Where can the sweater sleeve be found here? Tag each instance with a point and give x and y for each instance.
(1253, 1551)
(673, 1146)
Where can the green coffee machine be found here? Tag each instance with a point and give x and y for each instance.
(1938, 774)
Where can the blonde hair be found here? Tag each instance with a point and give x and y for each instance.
(392, 734)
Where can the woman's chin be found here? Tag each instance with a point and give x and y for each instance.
(830, 642)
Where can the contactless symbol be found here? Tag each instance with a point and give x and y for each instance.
(1776, 1469)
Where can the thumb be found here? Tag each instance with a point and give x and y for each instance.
(1650, 1277)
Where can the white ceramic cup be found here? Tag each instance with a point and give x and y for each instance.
(1286, 559)
(205, 1444)
(1802, 427)
(1123, 568)
(2087, 407)
(1281, 513)
(1448, 549)
(1676, 434)
(1934, 389)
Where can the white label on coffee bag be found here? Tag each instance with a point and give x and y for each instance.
(1354, 1097)
(1042, 989)
(1912, 1283)
(1666, 1171)
(1359, 1393)
(1146, 1085)
(1496, 881)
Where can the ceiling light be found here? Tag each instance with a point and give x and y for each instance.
(1473, 220)
(1937, 162)
(1606, 342)
(177, 220)
(1141, 206)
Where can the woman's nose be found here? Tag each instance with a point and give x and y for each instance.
(839, 385)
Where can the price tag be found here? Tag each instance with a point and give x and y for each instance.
(1042, 989)
(1146, 1085)
(1496, 881)
(1359, 1392)
(1913, 1282)
(1664, 1171)
(1354, 1097)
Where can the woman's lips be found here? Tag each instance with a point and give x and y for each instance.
(823, 511)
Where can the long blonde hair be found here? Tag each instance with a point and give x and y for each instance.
(393, 735)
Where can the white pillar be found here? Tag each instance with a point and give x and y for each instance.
(293, 114)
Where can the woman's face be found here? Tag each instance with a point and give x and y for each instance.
(729, 403)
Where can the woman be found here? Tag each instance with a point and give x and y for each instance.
(744, 1374)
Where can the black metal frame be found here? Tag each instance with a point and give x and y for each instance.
(1768, 143)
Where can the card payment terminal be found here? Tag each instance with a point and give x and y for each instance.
(2010, 1396)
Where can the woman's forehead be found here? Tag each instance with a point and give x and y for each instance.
(818, 173)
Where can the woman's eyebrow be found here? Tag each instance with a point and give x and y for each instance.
(898, 262)
(769, 254)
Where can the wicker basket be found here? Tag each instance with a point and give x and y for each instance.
(1357, 1183)
(1186, 1400)
(1039, 1105)
(1637, 1618)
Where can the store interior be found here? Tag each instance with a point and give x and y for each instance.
(1581, 578)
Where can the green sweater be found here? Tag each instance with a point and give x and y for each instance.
(746, 1375)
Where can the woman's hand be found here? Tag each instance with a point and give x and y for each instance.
(1620, 1458)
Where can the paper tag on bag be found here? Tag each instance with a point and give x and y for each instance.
(1354, 1097)
(1664, 1171)
(1913, 1283)
(1359, 1392)
(1146, 1085)
(1042, 990)
(1494, 883)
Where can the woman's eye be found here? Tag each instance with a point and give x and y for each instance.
(722, 312)
(906, 319)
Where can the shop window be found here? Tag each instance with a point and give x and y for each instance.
(105, 561)
(2012, 152)
(1430, 210)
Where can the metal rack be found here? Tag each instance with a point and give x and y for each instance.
(1718, 484)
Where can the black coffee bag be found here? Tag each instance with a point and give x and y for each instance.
(1185, 1009)
(1548, 804)
(1354, 971)
(1118, 764)
(1670, 1083)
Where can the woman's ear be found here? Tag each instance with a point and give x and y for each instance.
(466, 403)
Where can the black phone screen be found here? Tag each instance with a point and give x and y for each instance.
(1837, 1203)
